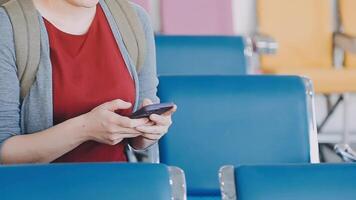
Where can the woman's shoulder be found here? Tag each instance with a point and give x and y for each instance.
(143, 16)
(5, 23)
(7, 37)
(5, 28)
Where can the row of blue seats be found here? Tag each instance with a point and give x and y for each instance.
(159, 182)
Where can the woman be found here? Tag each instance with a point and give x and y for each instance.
(85, 89)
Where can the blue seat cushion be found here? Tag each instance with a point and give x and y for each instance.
(85, 181)
(296, 182)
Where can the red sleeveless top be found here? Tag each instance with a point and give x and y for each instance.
(88, 70)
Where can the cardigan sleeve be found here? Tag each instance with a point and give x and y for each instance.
(9, 82)
(147, 76)
(148, 81)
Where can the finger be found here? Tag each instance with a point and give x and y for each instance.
(152, 129)
(128, 131)
(171, 111)
(161, 120)
(116, 105)
(146, 102)
(126, 136)
(127, 122)
(152, 136)
(136, 122)
(122, 130)
(119, 136)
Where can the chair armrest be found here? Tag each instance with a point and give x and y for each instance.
(345, 42)
(227, 182)
(178, 183)
(264, 44)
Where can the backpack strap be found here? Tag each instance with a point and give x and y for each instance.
(131, 29)
(26, 28)
(3, 1)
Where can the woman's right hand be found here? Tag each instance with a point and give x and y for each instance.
(103, 125)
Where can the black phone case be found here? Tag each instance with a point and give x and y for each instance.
(146, 111)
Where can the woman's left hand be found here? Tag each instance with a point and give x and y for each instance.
(158, 125)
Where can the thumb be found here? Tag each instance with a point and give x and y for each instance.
(117, 104)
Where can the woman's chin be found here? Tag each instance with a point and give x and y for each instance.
(84, 3)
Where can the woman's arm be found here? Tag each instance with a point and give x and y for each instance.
(45, 146)
(102, 124)
(17, 148)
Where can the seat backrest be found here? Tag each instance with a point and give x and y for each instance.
(302, 29)
(347, 17)
(295, 182)
(234, 120)
(144, 3)
(85, 181)
(200, 55)
(187, 17)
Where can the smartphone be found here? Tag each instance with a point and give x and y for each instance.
(146, 111)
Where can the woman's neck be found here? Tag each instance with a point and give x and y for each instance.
(66, 16)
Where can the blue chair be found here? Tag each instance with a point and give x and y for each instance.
(200, 55)
(236, 120)
(88, 181)
(294, 182)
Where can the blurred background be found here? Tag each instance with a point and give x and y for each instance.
(299, 37)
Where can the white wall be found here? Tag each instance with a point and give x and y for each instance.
(155, 14)
(243, 12)
(244, 16)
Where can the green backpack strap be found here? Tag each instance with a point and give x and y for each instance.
(131, 29)
(26, 28)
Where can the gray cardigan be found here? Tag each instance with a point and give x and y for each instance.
(36, 112)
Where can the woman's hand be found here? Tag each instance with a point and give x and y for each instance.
(154, 129)
(103, 125)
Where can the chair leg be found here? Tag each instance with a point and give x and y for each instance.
(328, 102)
(321, 153)
(331, 111)
(346, 124)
